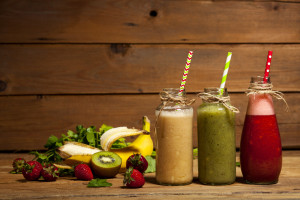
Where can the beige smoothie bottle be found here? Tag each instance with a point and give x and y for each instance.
(174, 146)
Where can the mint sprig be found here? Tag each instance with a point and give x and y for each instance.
(99, 183)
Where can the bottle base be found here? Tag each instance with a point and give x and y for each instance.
(216, 184)
(173, 184)
(261, 183)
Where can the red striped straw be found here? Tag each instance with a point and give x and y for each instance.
(186, 71)
(268, 65)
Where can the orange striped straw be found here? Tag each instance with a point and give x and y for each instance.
(186, 71)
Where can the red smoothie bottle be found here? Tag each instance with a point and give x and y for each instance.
(260, 150)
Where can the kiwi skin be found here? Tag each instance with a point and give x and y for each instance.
(105, 171)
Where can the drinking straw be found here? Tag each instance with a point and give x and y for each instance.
(222, 86)
(268, 65)
(186, 71)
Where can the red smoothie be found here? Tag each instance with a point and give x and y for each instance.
(261, 156)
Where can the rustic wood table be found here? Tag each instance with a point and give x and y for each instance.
(14, 186)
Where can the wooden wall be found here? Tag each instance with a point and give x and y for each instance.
(89, 62)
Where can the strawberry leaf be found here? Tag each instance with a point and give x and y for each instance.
(99, 183)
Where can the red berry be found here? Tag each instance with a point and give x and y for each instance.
(50, 172)
(133, 178)
(18, 165)
(32, 170)
(83, 172)
(138, 162)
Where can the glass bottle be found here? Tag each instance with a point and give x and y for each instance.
(174, 149)
(260, 149)
(216, 139)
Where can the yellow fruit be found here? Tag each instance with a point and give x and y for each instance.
(78, 159)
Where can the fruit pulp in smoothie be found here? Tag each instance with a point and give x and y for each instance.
(261, 155)
(216, 144)
(174, 154)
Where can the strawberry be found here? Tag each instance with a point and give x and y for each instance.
(50, 172)
(133, 178)
(18, 165)
(32, 170)
(138, 162)
(83, 172)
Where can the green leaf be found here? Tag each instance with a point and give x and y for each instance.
(51, 141)
(91, 129)
(78, 128)
(238, 164)
(58, 144)
(151, 164)
(104, 128)
(43, 156)
(90, 138)
(99, 183)
(70, 133)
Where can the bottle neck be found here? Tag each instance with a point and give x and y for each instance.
(258, 85)
(172, 99)
(215, 95)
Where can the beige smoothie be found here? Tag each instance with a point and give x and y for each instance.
(174, 160)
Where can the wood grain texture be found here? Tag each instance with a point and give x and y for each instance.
(130, 21)
(26, 122)
(102, 69)
(13, 186)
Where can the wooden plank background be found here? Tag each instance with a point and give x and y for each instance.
(88, 62)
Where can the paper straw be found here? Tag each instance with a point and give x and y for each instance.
(268, 65)
(186, 71)
(222, 86)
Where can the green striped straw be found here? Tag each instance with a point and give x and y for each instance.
(225, 72)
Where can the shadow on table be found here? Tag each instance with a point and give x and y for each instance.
(237, 180)
(151, 180)
(240, 180)
(195, 180)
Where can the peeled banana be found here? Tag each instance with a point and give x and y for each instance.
(76, 148)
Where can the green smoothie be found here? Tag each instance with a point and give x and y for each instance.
(216, 144)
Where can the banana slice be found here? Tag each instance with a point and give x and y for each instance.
(62, 166)
(110, 136)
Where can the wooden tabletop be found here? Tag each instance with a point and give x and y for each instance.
(14, 186)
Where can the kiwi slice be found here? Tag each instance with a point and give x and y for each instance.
(106, 164)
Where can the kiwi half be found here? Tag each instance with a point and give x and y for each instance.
(106, 164)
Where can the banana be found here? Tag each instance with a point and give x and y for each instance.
(110, 136)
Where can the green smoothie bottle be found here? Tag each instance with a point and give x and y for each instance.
(216, 138)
